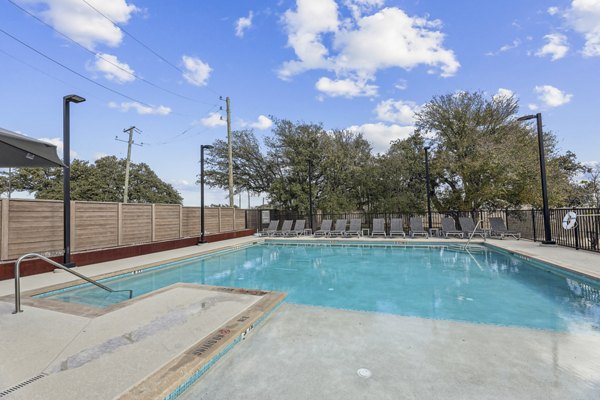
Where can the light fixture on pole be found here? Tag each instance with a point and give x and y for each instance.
(202, 148)
(540, 134)
(426, 148)
(67, 100)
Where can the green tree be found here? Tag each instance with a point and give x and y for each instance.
(100, 181)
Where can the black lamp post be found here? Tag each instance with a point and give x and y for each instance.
(547, 230)
(202, 148)
(426, 148)
(72, 98)
(310, 202)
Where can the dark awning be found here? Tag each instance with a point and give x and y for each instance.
(21, 151)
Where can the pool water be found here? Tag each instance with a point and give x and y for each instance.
(483, 286)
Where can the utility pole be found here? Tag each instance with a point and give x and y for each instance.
(129, 142)
(229, 149)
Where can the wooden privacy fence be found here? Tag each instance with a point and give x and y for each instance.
(37, 225)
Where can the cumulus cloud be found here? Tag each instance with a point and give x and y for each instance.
(380, 135)
(112, 69)
(80, 22)
(503, 93)
(242, 24)
(584, 17)
(345, 87)
(551, 96)
(196, 72)
(355, 49)
(553, 10)
(261, 123)
(556, 46)
(58, 142)
(515, 43)
(212, 120)
(140, 108)
(399, 111)
(532, 106)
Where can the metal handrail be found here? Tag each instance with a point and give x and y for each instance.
(57, 265)
(473, 234)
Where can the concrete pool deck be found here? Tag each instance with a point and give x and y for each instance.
(47, 341)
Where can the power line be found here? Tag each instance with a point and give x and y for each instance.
(107, 60)
(140, 42)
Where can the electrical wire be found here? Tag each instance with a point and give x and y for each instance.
(107, 60)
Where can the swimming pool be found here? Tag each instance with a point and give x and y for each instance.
(437, 282)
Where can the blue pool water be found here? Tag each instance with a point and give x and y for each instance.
(484, 286)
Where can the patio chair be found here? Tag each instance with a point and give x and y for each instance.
(355, 228)
(378, 227)
(340, 228)
(325, 228)
(467, 226)
(499, 229)
(298, 228)
(270, 229)
(449, 228)
(416, 227)
(285, 228)
(397, 227)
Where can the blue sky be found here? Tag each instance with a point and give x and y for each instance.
(367, 65)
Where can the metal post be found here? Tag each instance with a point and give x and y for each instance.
(310, 204)
(533, 224)
(202, 148)
(426, 148)
(547, 228)
(72, 98)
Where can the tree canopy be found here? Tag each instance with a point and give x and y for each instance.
(103, 180)
(480, 157)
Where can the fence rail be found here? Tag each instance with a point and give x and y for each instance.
(37, 225)
(530, 222)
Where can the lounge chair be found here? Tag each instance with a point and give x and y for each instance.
(325, 228)
(378, 227)
(467, 226)
(340, 228)
(397, 227)
(449, 228)
(285, 228)
(270, 229)
(298, 228)
(499, 230)
(355, 228)
(416, 227)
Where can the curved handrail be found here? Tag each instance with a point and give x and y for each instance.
(57, 265)
(473, 234)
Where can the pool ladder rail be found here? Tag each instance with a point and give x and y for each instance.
(57, 265)
(466, 246)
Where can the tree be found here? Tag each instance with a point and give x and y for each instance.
(483, 157)
(590, 188)
(102, 181)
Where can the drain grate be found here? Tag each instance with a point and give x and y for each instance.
(21, 385)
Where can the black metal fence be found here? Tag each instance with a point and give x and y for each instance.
(530, 222)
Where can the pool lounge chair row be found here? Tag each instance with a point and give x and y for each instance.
(397, 227)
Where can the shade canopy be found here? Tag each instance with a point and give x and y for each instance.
(21, 151)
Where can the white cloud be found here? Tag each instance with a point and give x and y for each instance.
(357, 48)
(553, 10)
(515, 43)
(557, 46)
(213, 119)
(112, 68)
(584, 17)
(399, 111)
(196, 72)
(345, 87)
(140, 108)
(402, 84)
(98, 156)
(502, 93)
(262, 123)
(58, 142)
(551, 96)
(380, 135)
(242, 24)
(532, 106)
(80, 22)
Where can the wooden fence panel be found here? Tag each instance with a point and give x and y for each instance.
(166, 223)
(240, 220)
(96, 225)
(227, 222)
(35, 226)
(211, 219)
(191, 221)
(136, 224)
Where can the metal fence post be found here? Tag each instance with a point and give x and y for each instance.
(533, 223)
